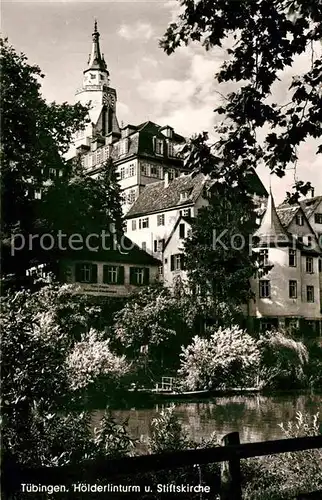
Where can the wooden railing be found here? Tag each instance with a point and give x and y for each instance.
(229, 455)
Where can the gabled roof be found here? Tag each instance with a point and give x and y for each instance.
(287, 213)
(157, 197)
(181, 219)
(309, 205)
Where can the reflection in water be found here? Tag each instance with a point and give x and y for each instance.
(255, 417)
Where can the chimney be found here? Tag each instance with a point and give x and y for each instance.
(166, 179)
(312, 192)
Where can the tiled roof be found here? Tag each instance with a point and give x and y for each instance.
(129, 253)
(287, 213)
(309, 205)
(140, 141)
(156, 197)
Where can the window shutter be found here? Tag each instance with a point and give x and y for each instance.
(146, 280)
(78, 272)
(94, 273)
(120, 280)
(132, 276)
(183, 263)
(172, 263)
(105, 274)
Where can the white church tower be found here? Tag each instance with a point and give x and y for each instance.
(96, 90)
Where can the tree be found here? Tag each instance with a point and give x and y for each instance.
(34, 137)
(264, 38)
(43, 364)
(218, 254)
(81, 205)
(158, 321)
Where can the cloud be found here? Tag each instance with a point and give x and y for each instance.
(137, 31)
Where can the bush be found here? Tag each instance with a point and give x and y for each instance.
(42, 361)
(282, 477)
(229, 358)
(283, 361)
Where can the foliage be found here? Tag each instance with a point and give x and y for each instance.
(168, 435)
(218, 256)
(229, 358)
(155, 318)
(40, 331)
(283, 360)
(80, 204)
(263, 39)
(35, 135)
(282, 477)
(92, 359)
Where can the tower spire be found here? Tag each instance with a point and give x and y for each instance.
(96, 61)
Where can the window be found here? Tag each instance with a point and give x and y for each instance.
(300, 239)
(86, 273)
(293, 289)
(292, 257)
(160, 271)
(122, 173)
(268, 324)
(310, 293)
(264, 289)
(263, 257)
(171, 149)
(186, 212)
(52, 173)
(309, 241)
(37, 194)
(154, 171)
(320, 265)
(123, 146)
(159, 146)
(181, 230)
(160, 220)
(184, 195)
(158, 245)
(309, 265)
(133, 225)
(145, 169)
(131, 196)
(131, 170)
(299, 220)
(113, 275)
(139, 275)
(177, 262)
(144, 223)
(171, 174)
(143, 245)
(318, 218)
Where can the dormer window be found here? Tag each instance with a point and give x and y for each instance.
(184, 195)
(124, 146)
(171, 149)
(158, 146)
(299, 220)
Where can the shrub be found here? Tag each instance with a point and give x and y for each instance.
(283, 360)
(229, 358)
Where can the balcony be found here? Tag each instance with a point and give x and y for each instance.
(100, 86)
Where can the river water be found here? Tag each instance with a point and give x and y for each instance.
(255, 417)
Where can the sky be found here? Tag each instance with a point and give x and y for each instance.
(178, 90)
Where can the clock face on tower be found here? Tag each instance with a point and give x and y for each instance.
(109, 100)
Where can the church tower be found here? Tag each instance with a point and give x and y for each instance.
(96, 90)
